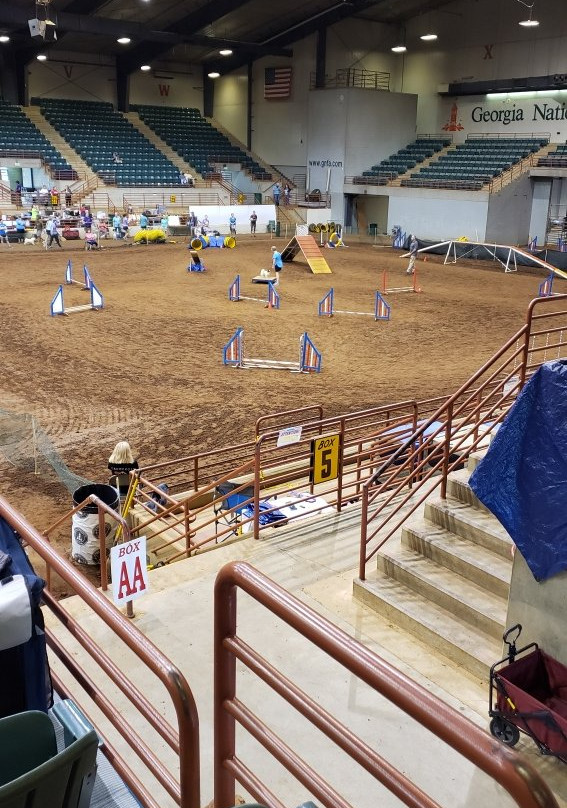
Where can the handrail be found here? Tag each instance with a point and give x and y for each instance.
(184, 741)
(502, 764)
(446, 430)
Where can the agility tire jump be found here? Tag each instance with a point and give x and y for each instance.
(390, 290)
(69, 279)
(58, 303)
(309, 360)
(382, 310)
(272, 299)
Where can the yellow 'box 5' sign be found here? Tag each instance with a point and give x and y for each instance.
(325, 458)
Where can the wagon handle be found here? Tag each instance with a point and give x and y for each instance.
(511, 643)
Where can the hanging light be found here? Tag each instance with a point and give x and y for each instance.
(225, 52)
(124, 40)
(145, 68)
(41, 57)
(399, 49)
(428, 37)
(530, 22)
(213, 75)
(4, 38)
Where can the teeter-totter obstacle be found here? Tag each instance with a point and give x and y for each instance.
(69, 279)
(311, 252)
(309, 357)
(389, 290)
(272, 300)
(58, 302)
(382, 310)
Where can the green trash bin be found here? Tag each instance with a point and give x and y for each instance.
(258, 199)
(372, 229)
(278, 230)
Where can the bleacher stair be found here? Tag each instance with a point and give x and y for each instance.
(445, 577)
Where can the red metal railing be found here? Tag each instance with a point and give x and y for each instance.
(462, 424)
(500, 763)
(63, 630)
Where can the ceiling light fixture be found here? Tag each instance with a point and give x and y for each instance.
(145, 68)
(213, 75)
(529, 23)
(41, 57)
(124, 40)
(399, 49)
(428, 37)
(225, 52)
(4, 38)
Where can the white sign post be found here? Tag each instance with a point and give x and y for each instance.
(129, 570)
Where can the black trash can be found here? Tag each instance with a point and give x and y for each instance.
(85, 545)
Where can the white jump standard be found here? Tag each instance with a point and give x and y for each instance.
(69, 279)
(382, 310)
(58, 302)
(309, 357)
(272, 299)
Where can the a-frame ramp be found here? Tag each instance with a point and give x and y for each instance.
(310, 249)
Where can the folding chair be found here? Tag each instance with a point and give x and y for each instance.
(227, 509)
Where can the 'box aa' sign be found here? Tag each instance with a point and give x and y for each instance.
(129, 570)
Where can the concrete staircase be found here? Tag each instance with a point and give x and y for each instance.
(277, 176)
(86, 174)
(445, 578)
(162, 146)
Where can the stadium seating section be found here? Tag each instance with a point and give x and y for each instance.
(195, 140)
(19, 134)
(405, 159)
(474, 163)
(556, 158)
(97, 132)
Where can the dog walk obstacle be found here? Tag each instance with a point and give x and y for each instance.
(58, 302)
(382, 310)
(309, 360)
(311, 252)
(69, 279)
(390, 290)
(272, 299)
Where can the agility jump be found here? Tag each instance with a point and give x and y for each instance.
(382, 310)
(309, 360)
(69, 279)
(272, 300)
(58, 302)
(389, 290)
(546, 286)
(311, 252)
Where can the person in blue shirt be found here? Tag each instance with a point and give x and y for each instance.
(117, 225)
(4, 233)
(143, 221)
(277, 264)
(232, 224)
(20, 229)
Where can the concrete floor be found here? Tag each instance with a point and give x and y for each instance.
(317, 564)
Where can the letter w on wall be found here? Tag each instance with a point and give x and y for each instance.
(164, 89)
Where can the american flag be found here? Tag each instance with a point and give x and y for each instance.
(277, 82)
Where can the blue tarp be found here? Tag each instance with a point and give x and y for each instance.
(25, 683)
(523, 477)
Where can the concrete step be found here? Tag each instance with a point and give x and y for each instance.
(462, 598)
(161, 145)
(467, 522)
(473, 460)
(460, 555)
(443, 631)
(458, 488)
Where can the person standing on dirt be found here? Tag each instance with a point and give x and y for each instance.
(253, 220)
(413, 247)
(277, 264)
(232, 224)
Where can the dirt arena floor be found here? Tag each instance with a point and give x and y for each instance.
(149, 369)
